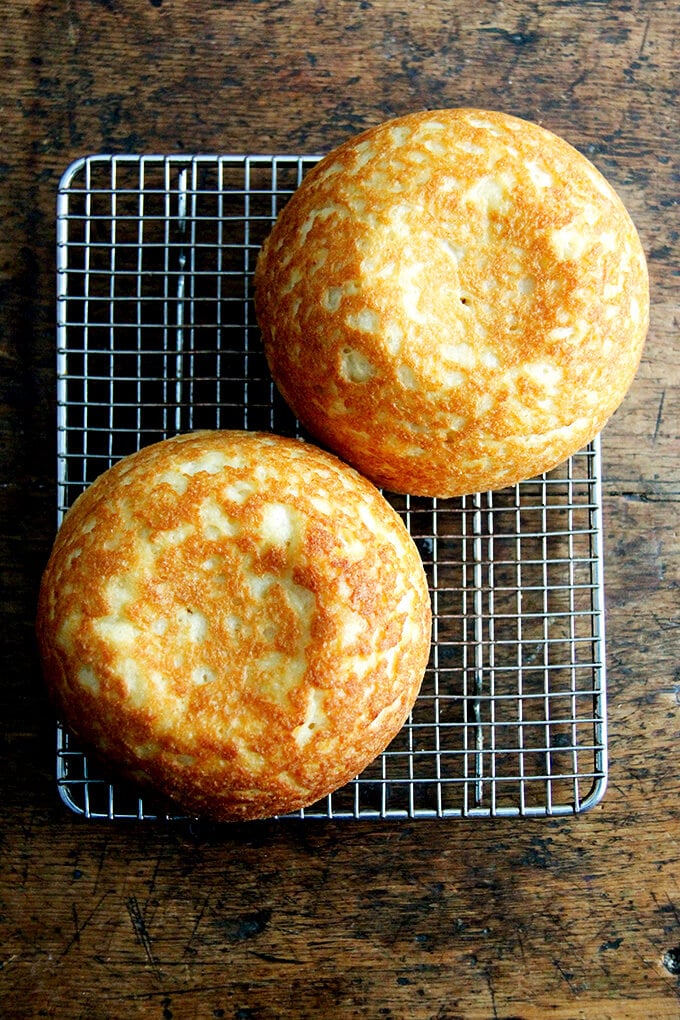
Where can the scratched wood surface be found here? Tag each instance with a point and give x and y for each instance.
(565, 919)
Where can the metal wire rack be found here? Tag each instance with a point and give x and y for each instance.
(156, 334)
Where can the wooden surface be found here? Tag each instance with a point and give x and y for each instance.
(559, 918)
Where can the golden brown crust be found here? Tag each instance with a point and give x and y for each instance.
(453, 301)
(236, 618)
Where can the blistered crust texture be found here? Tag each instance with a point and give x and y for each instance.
(453, 301)
(238, 619)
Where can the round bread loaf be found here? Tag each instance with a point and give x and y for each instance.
(238, 619)
(453, 301)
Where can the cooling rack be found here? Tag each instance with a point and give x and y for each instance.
(156, 334)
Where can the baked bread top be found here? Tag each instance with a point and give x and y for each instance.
(453, 301)
(238, 619)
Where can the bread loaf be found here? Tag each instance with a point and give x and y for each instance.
(453, 301)
(239, 620)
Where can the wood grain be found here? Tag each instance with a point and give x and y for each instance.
(565, 919)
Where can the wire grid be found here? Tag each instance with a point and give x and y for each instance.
(157, 334)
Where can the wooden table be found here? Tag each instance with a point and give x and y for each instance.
(563, 918)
